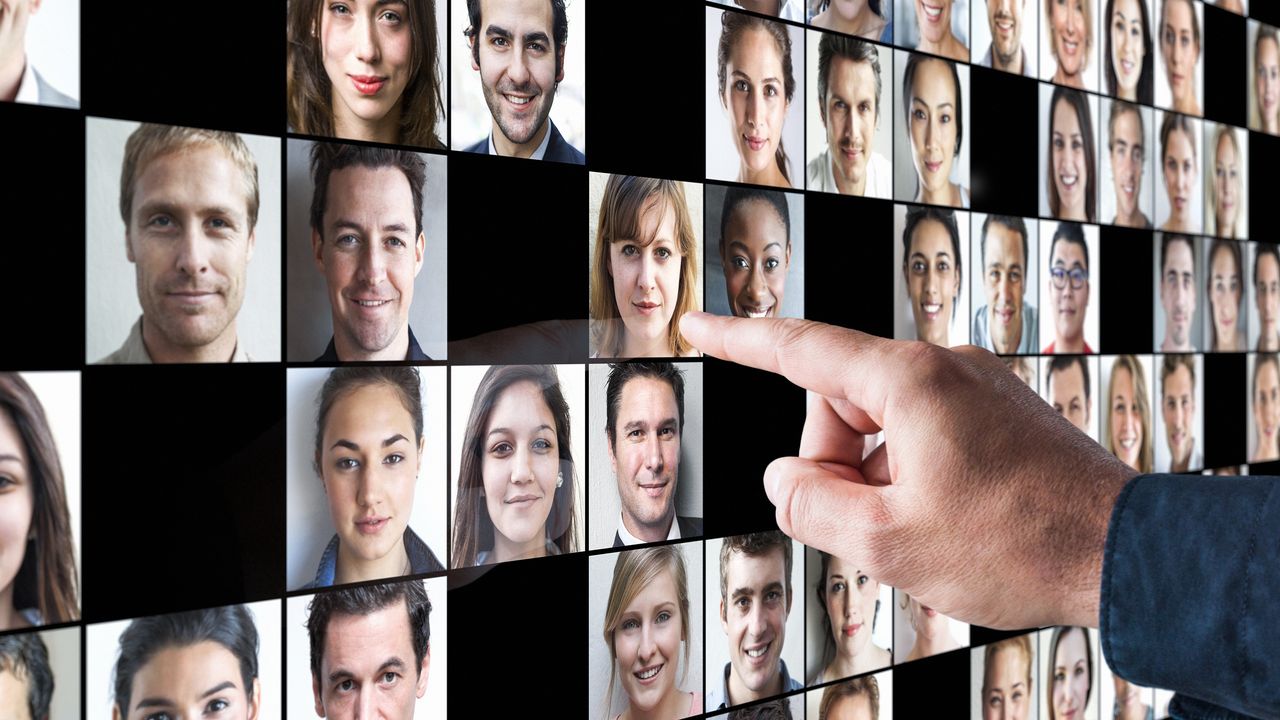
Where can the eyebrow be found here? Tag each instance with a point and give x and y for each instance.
(740, 244)
(762, 80)
(166, 702)
(346, 224)
(639, 424)
(172, 208)
(350, 445)
(391, 662)
(918, 99)
(11, 458)
(940, 253)
(506, 431)
(750, 591)
(534, 36)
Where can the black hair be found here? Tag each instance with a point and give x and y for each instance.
(1146, 78)
(1070, 232)
(621, 373)
(836, 45)
(732, 26)
(365, 600)
(735, 197)
(327, 157)
(1264, 248)
(1012, 222)
(914, 60)
(404, 380)
(917, 214)
(559, 29)
(1060, 363)
(25, 657)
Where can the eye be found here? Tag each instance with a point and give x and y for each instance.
(502, 449)
(159, 716)
(346, 686)
(499, 41)
(918, 114)
(1015, 276)
(944, 266)
(838, 586)
(946, 118)
(217, 706)
(771, 90)
(347, 463)
(395, 242)
(339, 9)
(391, 18)
(542, 444)
(389, 678)
(1017, 695)
(347, 240)
(741, 86)
(863, 580)
(663, 253)
(1058, 144)
(630, 624)
(771, 264)
(219, 223)
(994, 276)
(537, 47)
(630, 250)
(1059, 676)
(918, 267)
(772, 596)
(394, 459)
(664, 616)
(995, 702)
(160, 221)
(864, 108)
(739, 262)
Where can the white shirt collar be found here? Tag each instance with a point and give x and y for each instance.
(537, 154)
(629, 539)
(28, 91)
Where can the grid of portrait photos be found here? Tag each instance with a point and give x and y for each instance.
(397, 358)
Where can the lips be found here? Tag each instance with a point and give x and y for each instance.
(931, 310)
(191, 297)
(850, 630)
(851, 152)
(756, 655)
(1068, 179)
(654, 490)
(646, 307)
(1004, 26)
(371, 525)
(520, 501)
(368, 84)
(932, 13)
(755, 142)
(1128, 443)
(1005, 316)
(753, 311)
(648, 675)
(519, 103)
(1070, 47)
(933, 167)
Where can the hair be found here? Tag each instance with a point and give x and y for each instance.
(25, 657)
(778, 709)
(914, 61)
(1174, 121)
(820, 590)
(366, 600)
(329, 157)
(1058, 632)
(1264, 248)
(1012, 222)
(735, 197)
(1069, 232)
(1232, 247)
(1172, 363)
(1265, 32)
(873, 4)
(753, 545)
(151, 141)
(1142, 399)
(1118, 108)
(473, 529)
(732, 26)
(622, 373)
(231, 627)
(1088, 30)
(835, 45)
(345, 380)
(626, 198)
(1080, 104)
(1146, 78)
(632, 573)
(1168, 239)
(865, 685)
(559, 30)
(1020, 644)
(1195, 21)
(46, 579)
(1228, 132)
(1059, 363)
(310, 92)
(1262, 359)
(917, 214)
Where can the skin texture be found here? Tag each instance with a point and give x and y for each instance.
(521, 463)
(14, 19)
(933, 281)
(371, 41)
(369, 464)
(519, 67)
(1225, 289)
(1070, 676)
(852, 17)
(756, 254)
(1070, 174)
(1069, 306)
(1268, 299)
(1069, 397)
(1006, 692)
(1005, 20)
(856, 707)
(1004, 284)
(190, 242)
(1226, 188)
(17, 504)
(933, 18)
(756, 104)
(1181, 52)
(647, 639)
(932, 126)
(177, 681)
(646, 457)
(1067, 31)
(754, 618)
(369, 255)
(1266, 412)
(1128, 49)
(368, 669)
(1266, 78)
(1126, 420)
(14, 691)
(880, 512)
(850, 116)
(850, 604)
(646, 282)
(1178, 403)
(1128, 153)
(1178, 297)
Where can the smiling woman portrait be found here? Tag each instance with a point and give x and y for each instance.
(365, 70)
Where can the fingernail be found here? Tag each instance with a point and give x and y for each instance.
(772, 481)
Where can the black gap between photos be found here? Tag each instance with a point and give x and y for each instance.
(1126, 297)
(849, 262)
(1226, 72)
(1226, 390)
(947, 678)
(1005, 148)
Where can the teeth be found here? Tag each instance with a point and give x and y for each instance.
(759, 652)
(1070, 46)
(933, 308)
(1128, 444)
(757, 313)
(1004, 25)
(931, 11)
(646, 674)
(518, 100)
(371, 303)
(1068, 180)
(1127, 188)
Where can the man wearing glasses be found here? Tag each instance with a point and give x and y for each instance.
(1068, 289)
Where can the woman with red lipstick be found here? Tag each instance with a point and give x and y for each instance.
(1266, 408)
(365, 70)
(1180, 50)
(517, 480)
(1226, 292)
(1070, 682)
(1070, 29)
(756, 85)
(1180, 164)
(849, 606)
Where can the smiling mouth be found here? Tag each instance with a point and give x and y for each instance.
(1128, 443)
(1070, 47)
(1004, 26)
(1005, 316)
(648, 673)
(520, 101)
(933, 167)
(755, 312)
(1127, 66)
(932, 12)
(1068, 180)
(757, 654)
(931, 310)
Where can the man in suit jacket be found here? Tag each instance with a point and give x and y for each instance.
(518, 49)
(19, 81)
(644, 419)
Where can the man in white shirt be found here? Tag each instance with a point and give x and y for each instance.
(19, 81)
(849, 104)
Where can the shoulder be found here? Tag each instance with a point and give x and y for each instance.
(887, 36)
(560, 150)
(813, 172)
(132, 352)
(481, 147)
(49, 95)
(689, 526)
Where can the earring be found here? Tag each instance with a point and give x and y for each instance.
(560, 479)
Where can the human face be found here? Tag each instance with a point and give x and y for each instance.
(1006, 688)
(1003, 281)
(847, 10)
(1128, 46)
(14, 16)
(851, 116)
(17, 501)
(1070, 171)
(1178, 401)
(933, 17)
(926, 621)
(933, 281)
(191, 681)
(1069, 396)
(369, 257)
(851, 607)
(190, 242)
(1266, 409)
(368, 668)
(756, 257)
(1005, 19)
(1267, 81)
(520, 67)
(367, 50)
(1226, 187)
(646, 456)
(933, 125)
(1127, 154)
(1126, 419)
(851, 707)
(646, 278)
(369, 462)
(1180, 49)
(756, 100)
(14, 694)
(1178, 295)
(520, 466)
(647, 644)
(754, 618)
(1068, 32)
(1268, 295)
(1071, 679)
(1225, 278)
(1069, 305)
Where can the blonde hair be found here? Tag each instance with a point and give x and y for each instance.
(1088, 31)
(1130, 363)
(1021, 643)
(151, 141)
(626, 198)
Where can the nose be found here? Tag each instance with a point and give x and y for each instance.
(193, 252)
(518, 69)
(756, 621)
(653, 454)
(368, 49)
(932, 136)
(756, 287)
(647, 644)
(370, 490)
(848, 603)
(1072, 23)
(851, 124)
(931, 281)
(647, 277)
(522, 467)
(755, 110)
(373, 266)
(364, 706)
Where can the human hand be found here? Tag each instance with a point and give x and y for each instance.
(982, 503)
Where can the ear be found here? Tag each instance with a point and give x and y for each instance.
(315, 691)
(253, 237)
(471, 43)
(317, 250)
(115, 712)
(422, 447)
(724, 619)
(788, 263)
(419, 247)
(128, 246)
(613, 459)
(560, 64)
(424, 672)
(255, 699)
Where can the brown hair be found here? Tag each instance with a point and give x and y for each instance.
(1088, 30)
(151, 141)
(732, 26)
(1021, 643)
(1228, 132)
(865, 685)
(1139, 379)
(1078, 102)
(753, 545)
(1232, 247)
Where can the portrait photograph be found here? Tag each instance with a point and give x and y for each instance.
(1070, 36)
(345, 525)
(645, 631)
(518, 444)
(868, 696)
(919, 631)
(755, 100)
(365, 290)
(755, 252)
(214, 299)
(938, 27)
(1069, 383)
(930, 148)
(1179, 198)
(42, 39)
(1262, 268)
(1130, 39)
(1005, 287)
(867, 19)
(931, 267)
(793, 10)
(647, 470)
(1003, 683)
(1071, 298)
(1181, 293)
(1179, 394)
(1125, 408)
(848, 621)
(1129, 176)
(1025, 368)
(1004, 35)
(1263, 421)
(1067, 673)
(1180, 56)
(1264, 78)
(40, 673)
(1226, 320)
(1239, 7)
(1120, 699)
(1226, 182)
(1069, 159)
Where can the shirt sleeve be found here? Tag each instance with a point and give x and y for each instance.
(1191, 589)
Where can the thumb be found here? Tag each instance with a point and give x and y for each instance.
(828, 506)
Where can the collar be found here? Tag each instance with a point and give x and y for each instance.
(629, 539)
(134, 350)
(421, 559)
(538, 153)
(787, 683)
(330, 354)
(28, 89)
